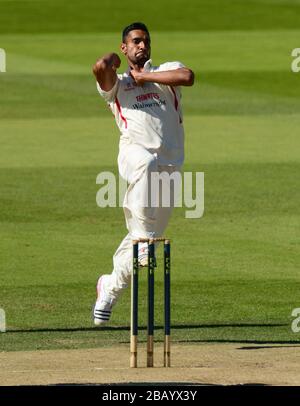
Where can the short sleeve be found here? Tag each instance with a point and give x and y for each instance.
(170, 66)
(111, 94)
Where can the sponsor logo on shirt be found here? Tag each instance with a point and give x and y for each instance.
(148, 100)
(147, 96)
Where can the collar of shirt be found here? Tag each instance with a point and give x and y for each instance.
(147, 67)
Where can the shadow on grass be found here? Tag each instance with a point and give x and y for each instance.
(230, 341)
(181, 384)
(127, 328)
(268, 343)
(266, 347)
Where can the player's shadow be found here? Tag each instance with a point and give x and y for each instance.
(267, 347)
(269, 343)
(157, 327)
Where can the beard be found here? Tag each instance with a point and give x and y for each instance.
(140, 59)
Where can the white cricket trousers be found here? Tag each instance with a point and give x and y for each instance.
(135, 166)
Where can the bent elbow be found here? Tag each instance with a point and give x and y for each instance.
(190, 78)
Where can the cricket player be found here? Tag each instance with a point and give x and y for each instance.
(145, 101)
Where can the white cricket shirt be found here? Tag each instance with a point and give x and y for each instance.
(149, 115)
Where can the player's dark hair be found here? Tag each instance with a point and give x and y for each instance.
(134, 26)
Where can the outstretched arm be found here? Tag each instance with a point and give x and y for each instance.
(176, 77)
(105, 71)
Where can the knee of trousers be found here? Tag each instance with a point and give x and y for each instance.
(122, 262)
(149, 164)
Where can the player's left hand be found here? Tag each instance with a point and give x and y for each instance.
(137, 77)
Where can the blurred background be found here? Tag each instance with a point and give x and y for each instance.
(236, 270)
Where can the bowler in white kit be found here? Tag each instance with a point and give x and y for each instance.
(146, 103)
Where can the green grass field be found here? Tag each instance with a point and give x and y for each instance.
(235, 272)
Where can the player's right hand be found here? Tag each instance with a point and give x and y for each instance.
(110, 61)
(116, 61)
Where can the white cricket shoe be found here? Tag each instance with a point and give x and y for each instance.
(143, 254)
(102, 308)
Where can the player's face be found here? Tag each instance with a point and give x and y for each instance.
(137, 47)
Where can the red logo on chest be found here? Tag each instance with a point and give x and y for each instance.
(147, 96)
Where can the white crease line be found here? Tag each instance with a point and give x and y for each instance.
(26, 371)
